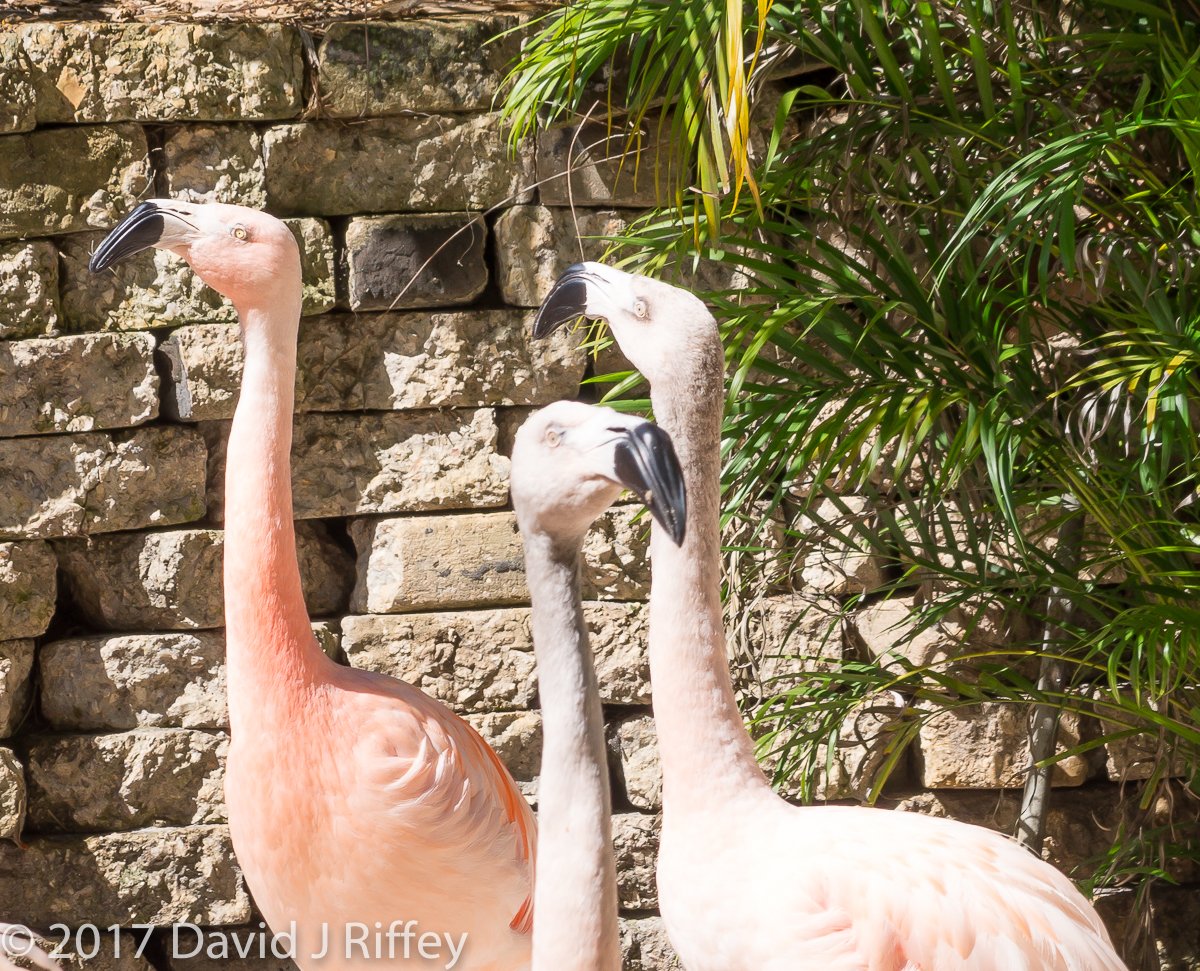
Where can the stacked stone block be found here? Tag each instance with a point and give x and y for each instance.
(425, 245)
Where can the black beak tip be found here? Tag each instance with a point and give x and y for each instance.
(139, 230)
(648, 465)
(566, 301)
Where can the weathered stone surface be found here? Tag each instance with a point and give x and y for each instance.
(476, 560)
(107, 683)
(886, 629)
(17, 94)
(98, 483)
(16, 669)
(128, 780)
(986, 746)
(605, 167)
(388, 68)
(616, 555)
(430, 163)
(837, 563)
(394, 262)
(635, 844)
(472, 660)
(1176, 913)
(171, 580)
(618, 632)
(184, 951)
(633, 756)
(28, 588)
(77, 384)
(383, 362)
(149, 876)
(1139, 757)
(515, 736)
(117, 952)
(443, 561)
(216, 163)
(12, 796)
(164, 72)
(646, 945)
(787, 636)
(381, 463)
(535, 244)
(28, 288)
(66, 180)
(158, 289)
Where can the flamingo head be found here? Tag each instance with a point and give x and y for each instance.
(246, 255)
(656, 324)
(571, 460)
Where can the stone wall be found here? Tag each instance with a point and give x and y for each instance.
(425, 245)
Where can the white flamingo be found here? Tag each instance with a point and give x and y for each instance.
(746, 881)
(570, 461)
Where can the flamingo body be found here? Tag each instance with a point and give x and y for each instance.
(356, 803)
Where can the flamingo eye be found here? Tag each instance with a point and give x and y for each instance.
(553, 437)
(641, 309)
(239, 232)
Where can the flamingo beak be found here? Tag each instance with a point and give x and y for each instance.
(152, 223)
(567, 301)
(645, 462)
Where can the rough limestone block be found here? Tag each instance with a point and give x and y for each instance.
(986, 746)
(216, 163)
(617, 632)
(345, 465)
(837, 563)
(164, 72)
(75, 485)
(127, 681)
(535, 245)
(430, 163)
(789, 635)
(387, 68)
(635, 843)
(606, 168)
(117, 952)
(1176, 925)
(28, 588)
(16, 684)
(77, 384)
(633, 758)
(395, 262)
(67, 180)
(127, 780)
(28, 289)
(471, 660)
(885, 629)
(646, 946)
(158, 289)
(616, 554)
(476, 560)
(12, 796)
(515, 736)
(171, 580)
(1138, 757)
(385, 362)
(150, 876)
(17, 95)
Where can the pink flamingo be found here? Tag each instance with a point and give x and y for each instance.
(746, 881)
(365, 815)
(570, 461)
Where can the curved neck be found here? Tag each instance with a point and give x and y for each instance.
(269, 641)
(706, 752)
(575, 890)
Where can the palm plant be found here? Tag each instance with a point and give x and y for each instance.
(965, 243)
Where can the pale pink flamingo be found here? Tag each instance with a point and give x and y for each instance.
(359, 807)
(746, 881)
(570, 461)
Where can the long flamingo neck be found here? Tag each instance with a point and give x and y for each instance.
(575, 892)
(270, 644)
(706, 751)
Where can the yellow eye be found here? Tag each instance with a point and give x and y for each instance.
(239, 232)
(641, 309)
